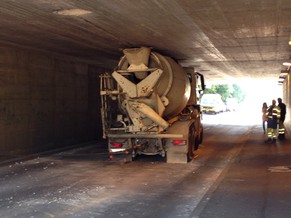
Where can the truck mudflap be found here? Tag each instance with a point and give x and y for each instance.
(177, 154)
(181, 150)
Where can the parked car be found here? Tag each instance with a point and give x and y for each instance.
(212, 103)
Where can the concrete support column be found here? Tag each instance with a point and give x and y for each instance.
(287, 101)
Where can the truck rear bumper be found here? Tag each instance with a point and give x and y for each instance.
(153, 136)
(117, 150)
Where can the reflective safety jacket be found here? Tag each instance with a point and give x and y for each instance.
(274, 113)
(283, 111)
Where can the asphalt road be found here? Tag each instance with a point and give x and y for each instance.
(235, 174)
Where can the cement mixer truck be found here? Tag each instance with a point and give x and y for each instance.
(149, 107)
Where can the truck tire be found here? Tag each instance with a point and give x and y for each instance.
(196, 143)
(191, 143)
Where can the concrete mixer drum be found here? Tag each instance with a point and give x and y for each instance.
(173, 86)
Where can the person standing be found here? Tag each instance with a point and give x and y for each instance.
(264, 115)
(273, 120)
(281, 130)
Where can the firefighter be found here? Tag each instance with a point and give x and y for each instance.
(281, 131)
(273, 120)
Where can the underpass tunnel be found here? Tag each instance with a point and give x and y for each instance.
(51, 102)
(53, 52)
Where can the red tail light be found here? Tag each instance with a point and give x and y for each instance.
(179, 142)
(116, 145)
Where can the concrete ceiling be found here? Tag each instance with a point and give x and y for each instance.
(223, 39)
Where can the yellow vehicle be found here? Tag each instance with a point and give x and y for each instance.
(212, 103)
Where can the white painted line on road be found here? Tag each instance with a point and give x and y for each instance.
(221, 172)
(280, 169)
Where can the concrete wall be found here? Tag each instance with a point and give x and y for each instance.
(46, 102)
(287, 101)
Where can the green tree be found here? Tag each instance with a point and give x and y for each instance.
(223, 90)
(238, 93)
(226, 91)
(209, 91)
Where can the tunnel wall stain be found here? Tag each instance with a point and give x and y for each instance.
(46, 102)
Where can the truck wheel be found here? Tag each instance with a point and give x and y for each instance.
(196, 143)
(191, 143)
